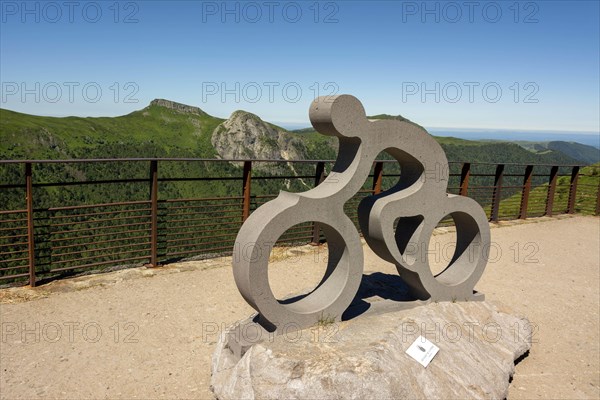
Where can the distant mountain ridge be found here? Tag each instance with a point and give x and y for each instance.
(167, 128)
(177, 106)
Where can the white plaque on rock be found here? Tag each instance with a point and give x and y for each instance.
(422, 350)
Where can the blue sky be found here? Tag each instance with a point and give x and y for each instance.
(488, 65)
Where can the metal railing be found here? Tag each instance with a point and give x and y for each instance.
(43, 242)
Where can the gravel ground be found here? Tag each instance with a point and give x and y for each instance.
(150, 333)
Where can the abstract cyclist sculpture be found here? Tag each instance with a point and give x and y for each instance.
(418, 202)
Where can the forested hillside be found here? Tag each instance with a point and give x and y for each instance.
(168, 129)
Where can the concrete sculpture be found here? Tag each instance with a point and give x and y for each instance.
(418, 202)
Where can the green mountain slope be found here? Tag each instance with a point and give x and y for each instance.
(168, 129)
(580, 152)
(155, 131)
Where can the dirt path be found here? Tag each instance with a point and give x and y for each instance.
(150, 334)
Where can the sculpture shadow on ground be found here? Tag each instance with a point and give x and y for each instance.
(376, 287)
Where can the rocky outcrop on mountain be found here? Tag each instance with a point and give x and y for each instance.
(184, 108)
(245, 135)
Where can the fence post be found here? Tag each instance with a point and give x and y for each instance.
(551, 190)
(377, 177)
(319, 177)
(465, 174)
(154, 213)
(573, 189)
(246, 183)
(497, 192)
(525, 193)
(30, 232)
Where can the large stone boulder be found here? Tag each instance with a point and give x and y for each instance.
(365, 358)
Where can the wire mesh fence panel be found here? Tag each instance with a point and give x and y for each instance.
(79, 238)
(198, 227)
(14, 253)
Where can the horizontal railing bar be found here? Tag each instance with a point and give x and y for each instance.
(196, 238)
(101, 249)
(8, 221)
(201, 199)
(97, 213)
(123, 203)
(224, 178)
(13, 229)
(6, 253)
(283, 177)
(205, 243)
(12, 237)
(95, 236)
(98, 228)
(198, 252)
(201, 226)
(193, 244)
(92, 257)
(95, 221)
(9, 268)
(99, 263)
(203, 206)
(13, 276)
(12, 212)
(102, 242)
(232, 229)
(226, 217)
(238, 210)
(103, 182)
(12, 244)
(304, 230)
(14, 259)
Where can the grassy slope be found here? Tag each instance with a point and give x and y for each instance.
(158, 129)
